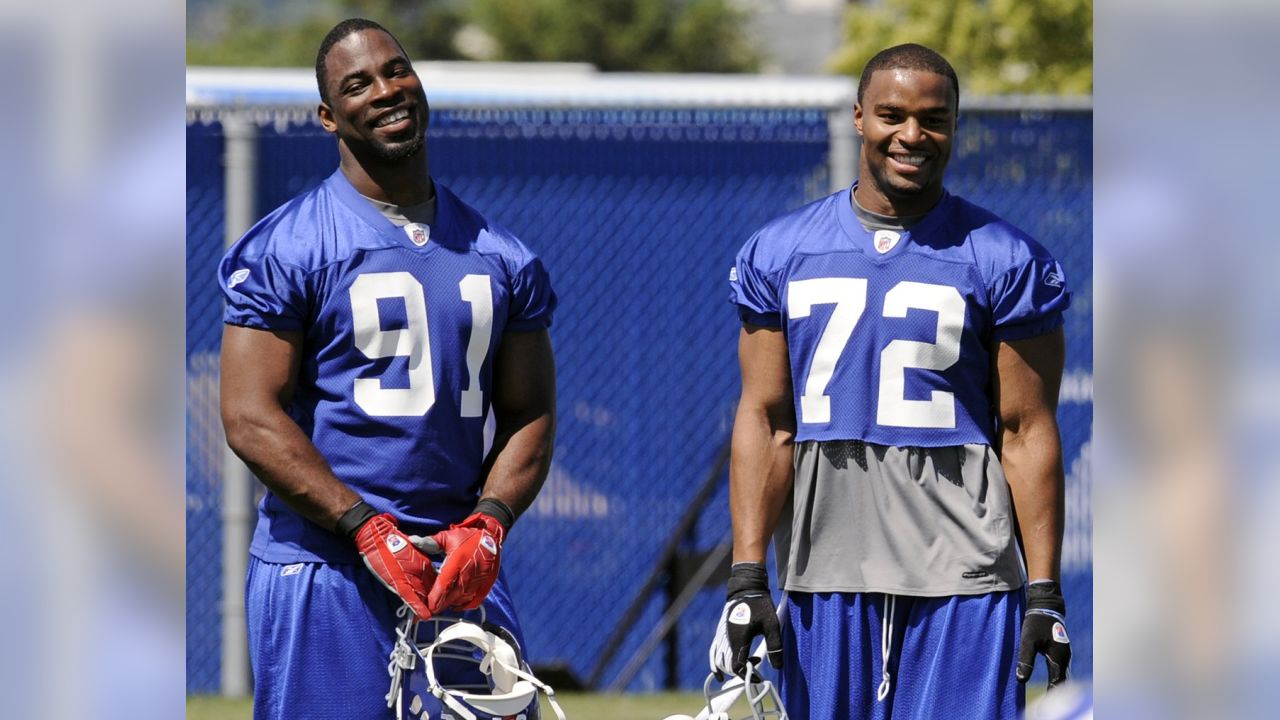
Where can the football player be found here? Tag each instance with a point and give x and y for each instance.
(901, 350)
(372, 323)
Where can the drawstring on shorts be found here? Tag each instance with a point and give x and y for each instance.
(886, 643)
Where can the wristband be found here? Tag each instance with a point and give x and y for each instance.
(747, 577)
(1046, 595)
(351, 520)
(498, 510)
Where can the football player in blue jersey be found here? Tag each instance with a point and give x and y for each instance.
(372, 324)
(901, 351)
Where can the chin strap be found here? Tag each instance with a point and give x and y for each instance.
(762, 696)
(404, 658)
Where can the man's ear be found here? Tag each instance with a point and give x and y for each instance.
(325, 113)
(857, 117)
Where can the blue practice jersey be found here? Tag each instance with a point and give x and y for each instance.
(400, 331)
(891, 334)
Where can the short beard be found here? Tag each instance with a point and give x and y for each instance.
(887, 187)
(396, 153)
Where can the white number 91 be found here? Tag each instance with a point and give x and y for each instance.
(414, 341)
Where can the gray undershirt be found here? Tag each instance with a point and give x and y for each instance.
(424, 213)
(900, 520)
(875, 221)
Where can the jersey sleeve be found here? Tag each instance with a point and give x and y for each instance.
(752, 289)
(262, 292)
(533, 301)
(1029, 298)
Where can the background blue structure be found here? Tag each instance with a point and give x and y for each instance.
(638, 214)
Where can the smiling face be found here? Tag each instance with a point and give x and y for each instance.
(374, 101)
(907, 120)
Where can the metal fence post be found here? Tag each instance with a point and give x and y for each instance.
(843, 153)
(240, 136)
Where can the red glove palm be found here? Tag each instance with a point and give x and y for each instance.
(400, 566)
(473, 554)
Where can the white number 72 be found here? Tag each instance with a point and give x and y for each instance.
(849, 295)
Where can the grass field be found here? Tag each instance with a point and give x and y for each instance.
(577, 706)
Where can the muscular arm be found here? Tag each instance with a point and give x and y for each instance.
(259, 369)
(524, 407)
(760, 469)
(1028, 373)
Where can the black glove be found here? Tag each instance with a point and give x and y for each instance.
(748, 612)
(1044, 632)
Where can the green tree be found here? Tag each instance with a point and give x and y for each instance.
(250, 36)
(621, 35)
(996, 46)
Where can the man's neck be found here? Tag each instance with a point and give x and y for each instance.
(877, 201)
(403, 182)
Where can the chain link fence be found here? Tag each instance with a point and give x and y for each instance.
(638, 214)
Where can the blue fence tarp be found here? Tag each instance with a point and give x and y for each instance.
(638, 215)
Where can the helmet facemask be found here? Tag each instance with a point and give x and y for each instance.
(434, 654)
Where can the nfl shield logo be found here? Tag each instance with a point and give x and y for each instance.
(885, 240)
(418, 234)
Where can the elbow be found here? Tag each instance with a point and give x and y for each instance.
(244, 430)
(772, 425)
(237, 434)
(781, 421)
(782, 438)
(1030, 432)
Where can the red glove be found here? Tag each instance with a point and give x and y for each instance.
(472, 554)
(399, 565)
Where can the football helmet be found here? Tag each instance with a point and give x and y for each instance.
(482, 651)
(760, 695)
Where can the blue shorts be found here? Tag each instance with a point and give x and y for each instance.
(320, 640)
(950, 657)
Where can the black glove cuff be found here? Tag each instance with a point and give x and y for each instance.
(351, 520)
(747, 577)
(1046, 596)
(498, 510)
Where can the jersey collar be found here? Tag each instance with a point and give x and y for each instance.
(864, 239)
(347, 194)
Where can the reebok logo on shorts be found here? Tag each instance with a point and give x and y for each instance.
(293, 569)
